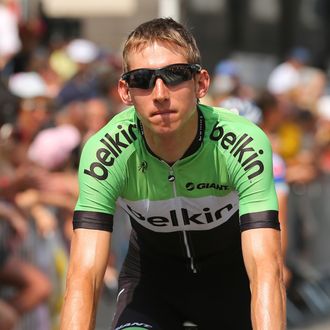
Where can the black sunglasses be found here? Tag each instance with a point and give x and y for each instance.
(171, 75)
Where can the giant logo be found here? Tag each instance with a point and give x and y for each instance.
(205, 185)
(241, 149)
(113, 147)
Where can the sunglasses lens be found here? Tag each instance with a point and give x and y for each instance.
(176, 74)
(140, 78)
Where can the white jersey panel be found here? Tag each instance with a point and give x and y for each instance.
(182, 213)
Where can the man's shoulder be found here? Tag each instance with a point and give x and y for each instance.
(229, 120)
(114, 143)
(213, 111)
(124, 118)
(238, 139)
(123, 123)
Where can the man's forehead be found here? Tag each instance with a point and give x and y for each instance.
(148, 55)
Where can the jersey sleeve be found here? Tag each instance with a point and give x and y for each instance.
(251, 171)
(100, 181)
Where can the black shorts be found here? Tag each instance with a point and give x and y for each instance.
(212, 299)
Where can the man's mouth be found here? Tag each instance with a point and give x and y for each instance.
(162, 113)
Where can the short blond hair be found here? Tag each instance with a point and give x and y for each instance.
(164, 30)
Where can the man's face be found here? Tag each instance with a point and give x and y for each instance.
(163, 109)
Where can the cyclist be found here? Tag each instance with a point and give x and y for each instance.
(197, 184)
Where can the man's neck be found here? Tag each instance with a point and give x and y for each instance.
(171, 147)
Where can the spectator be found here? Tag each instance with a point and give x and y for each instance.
(10, 42)
(34, 111)
(98, 113)
(323, 133)
(108, 88)
(286, 77)
(83, 85)
(228, 91)
(31, 286)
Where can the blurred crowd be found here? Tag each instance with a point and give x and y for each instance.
(53, 97)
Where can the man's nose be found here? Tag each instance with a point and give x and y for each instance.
(160, 91)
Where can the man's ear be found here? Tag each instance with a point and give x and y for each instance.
(202, 83)
(124, 92)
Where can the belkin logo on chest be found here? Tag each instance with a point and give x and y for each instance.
(240, 148)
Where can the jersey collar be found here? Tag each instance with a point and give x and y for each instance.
(196, 143)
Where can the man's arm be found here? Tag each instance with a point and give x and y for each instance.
(264, 265)
(88, 258)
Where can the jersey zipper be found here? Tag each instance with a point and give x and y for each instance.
(171, 178)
